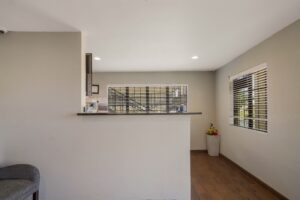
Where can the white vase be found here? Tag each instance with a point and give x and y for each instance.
(213, 145)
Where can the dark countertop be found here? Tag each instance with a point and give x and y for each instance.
(109, 113)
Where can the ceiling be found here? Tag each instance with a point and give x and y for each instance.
(156, 35)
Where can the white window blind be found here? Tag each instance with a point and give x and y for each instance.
(250, 102)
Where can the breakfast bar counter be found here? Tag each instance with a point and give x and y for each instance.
(148, 153)
(150, 113)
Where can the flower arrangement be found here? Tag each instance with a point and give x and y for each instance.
(212, 130)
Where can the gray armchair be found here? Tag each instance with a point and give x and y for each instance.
(18, 182)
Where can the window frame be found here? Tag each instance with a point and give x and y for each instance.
(149, 85)
(242, 75)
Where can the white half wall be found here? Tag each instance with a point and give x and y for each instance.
(201, 94)
(90, 158)
(274, 157)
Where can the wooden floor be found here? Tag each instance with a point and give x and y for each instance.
(217, 178)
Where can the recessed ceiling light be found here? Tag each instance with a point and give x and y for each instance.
(195, 57)
(97, 58)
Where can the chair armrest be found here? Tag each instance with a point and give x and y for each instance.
(22, 171)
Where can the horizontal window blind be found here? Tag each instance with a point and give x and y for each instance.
(250, 102)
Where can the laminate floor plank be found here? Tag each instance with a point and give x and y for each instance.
(215, 178)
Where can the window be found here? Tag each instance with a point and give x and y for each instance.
(250, 99)
(141, 99)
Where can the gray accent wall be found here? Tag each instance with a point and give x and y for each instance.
(82, 157)
(273, 157)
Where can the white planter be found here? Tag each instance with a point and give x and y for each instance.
(213, 145)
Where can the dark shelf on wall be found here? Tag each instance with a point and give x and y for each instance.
(110, 113)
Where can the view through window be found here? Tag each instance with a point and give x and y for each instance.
(141, 99)
(250, 100)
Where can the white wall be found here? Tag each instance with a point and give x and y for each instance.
(201, 95)
(79, 158)
(272, 157)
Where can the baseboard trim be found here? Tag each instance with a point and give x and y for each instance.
(199, 151)
(278, 194)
